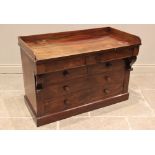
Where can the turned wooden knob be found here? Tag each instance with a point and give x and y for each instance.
(66, 88)
(106, 91)
(66, 102)
(108, 64)
(65, 73)
(108, 78)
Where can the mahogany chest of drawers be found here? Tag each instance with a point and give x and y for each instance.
(69, 73)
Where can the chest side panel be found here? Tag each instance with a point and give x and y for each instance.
(29, 80)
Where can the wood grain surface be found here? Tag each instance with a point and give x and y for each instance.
(77, 42)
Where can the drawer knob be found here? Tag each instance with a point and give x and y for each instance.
(108, 78)
(106, 91)
(39, 87)
(66, 102)
(108, 64)
(66, 88)
(65, 72)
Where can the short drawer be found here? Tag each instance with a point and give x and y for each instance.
(81, 98)
(110, 55)
(64, 75)
(59, 64)
(106, 67)
(107, 78)
(124, 52)
(55, 91)
(100, 57)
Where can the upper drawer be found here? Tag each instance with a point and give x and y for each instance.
(100, 57)
(62, 76)
(106, 67)
(60, 64)
(109, 55)
(124, 53)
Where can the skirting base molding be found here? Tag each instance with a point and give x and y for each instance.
(17, 69)
(146, 68)
(10, 69)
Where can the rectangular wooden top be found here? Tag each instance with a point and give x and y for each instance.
(63, 44)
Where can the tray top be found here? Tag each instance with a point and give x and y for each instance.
(56, 45)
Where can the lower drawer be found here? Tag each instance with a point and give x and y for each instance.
(81, 98)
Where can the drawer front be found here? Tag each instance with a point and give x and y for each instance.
(60, 64)
(106, 67)
(52, 91)
(110, 55)
(65, 75)
(81, 98)
(100, 57)
(123, 53)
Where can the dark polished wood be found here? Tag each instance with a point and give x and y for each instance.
(69, 73)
